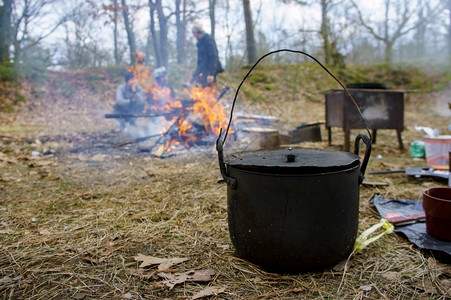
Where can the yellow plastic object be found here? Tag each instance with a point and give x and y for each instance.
(364, 239)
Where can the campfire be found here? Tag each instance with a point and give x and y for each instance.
(173, 121)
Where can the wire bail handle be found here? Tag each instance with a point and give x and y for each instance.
(292, 51)
(232, 182)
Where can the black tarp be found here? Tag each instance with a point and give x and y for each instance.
(415, 233)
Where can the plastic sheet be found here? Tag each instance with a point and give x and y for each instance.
(415, 233)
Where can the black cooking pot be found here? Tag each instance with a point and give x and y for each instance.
(293, 210)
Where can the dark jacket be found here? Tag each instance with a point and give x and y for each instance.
(207, 59)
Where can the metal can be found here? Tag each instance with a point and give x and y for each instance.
(417, 149)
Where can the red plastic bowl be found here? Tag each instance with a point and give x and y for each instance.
(437, 206)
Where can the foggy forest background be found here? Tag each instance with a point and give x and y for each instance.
(37, 35)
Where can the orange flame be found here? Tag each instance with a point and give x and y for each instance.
(184, 126)
(142, 73)
(206, 105)
(162, 98)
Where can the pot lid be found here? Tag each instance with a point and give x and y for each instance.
(293, 160)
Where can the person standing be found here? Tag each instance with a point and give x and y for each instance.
(129, 99)
(208, 64)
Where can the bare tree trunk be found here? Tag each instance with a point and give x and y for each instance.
(420, 34)
(181, 31)
(115, 32)
(229, 49)
(130, 34)
(5, 29)
(155, 39)
(211, 11)
(148, 47)
(388, 44)
(449, 29)
(325, 31)
(163, 22)
(250, 40)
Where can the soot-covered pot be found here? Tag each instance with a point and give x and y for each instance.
(293, 210)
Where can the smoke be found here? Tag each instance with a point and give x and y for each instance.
(149, 127)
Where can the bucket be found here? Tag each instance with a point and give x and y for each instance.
(437, 206)
(437, 149)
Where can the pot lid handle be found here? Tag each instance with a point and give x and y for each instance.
(222, 140)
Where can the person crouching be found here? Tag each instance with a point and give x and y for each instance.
(129, 99)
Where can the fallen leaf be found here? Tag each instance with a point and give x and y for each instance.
(446, 270)
(109, 246)
(6, 279)
(392, 276)
(171, 262)
(163, 263)
(79, 296)
(437, 269)
(446, 284)
(89, 259)
(149, 260)
(44, 232)
(429, 287)
(209, 291)
(140, 274)
(173, 279)
(426, 285)
(128, 296)
(256, 280)
(176, 278)
(343, 265)
(366, 288)
(202, 275)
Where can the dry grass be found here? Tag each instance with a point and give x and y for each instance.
(72, 224)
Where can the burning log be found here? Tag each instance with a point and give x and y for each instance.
(165, 139)
(186, 104)
(142, 115)
(189, 122)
